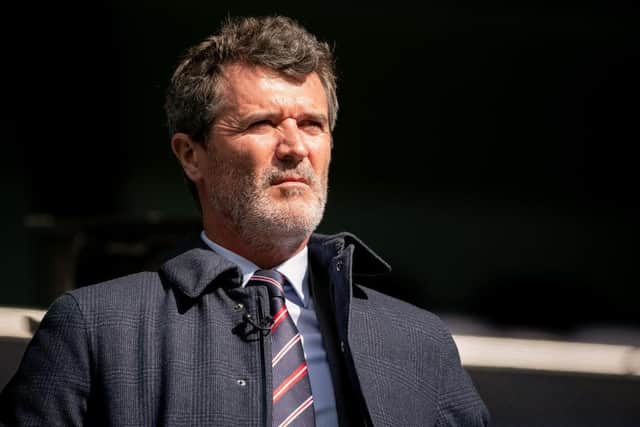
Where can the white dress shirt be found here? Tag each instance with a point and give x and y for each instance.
(300, 307)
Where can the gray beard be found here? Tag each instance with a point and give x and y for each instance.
(259, 221)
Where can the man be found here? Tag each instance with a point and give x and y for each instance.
(259, 322)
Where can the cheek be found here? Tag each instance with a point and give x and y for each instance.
(224, 169)
(256, 154)
(322, 158)
(240, 158)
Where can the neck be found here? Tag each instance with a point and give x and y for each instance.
(264, 251)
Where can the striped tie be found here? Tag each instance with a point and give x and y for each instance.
(292, 399)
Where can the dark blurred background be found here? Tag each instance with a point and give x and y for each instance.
(487, 152)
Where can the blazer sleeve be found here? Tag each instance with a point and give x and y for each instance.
(459, 403)
(52, 384)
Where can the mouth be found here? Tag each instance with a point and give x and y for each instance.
(289, 180)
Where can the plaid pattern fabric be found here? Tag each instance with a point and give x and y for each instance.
(163, 348)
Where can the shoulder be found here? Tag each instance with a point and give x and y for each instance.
(408, 332)
(120, 287)
(387, 332)
(127, 293)
(394, 311)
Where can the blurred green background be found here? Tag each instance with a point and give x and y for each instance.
(486, 151)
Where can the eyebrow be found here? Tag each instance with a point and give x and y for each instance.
(258, 115)
(316, 117)
(269, 115)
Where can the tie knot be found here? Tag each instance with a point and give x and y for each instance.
(273, 279)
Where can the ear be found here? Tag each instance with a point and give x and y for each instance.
(190, 155)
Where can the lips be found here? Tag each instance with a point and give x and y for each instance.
(283, 180)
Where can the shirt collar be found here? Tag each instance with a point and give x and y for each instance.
(295, 269)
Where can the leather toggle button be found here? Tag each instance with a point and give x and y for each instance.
(342, 346)
(239, 306)
(241, 382)
(339, 266)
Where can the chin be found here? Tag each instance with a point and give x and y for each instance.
(293, 191)
(284, 213)
(294, 217)
(295, 211)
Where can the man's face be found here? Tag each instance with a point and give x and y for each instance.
(268, 154)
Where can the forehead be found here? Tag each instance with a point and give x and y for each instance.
(250, 87)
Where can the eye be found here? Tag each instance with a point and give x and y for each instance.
(259, 124)
(311, 125)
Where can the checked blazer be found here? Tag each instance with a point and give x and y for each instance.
(170, 347)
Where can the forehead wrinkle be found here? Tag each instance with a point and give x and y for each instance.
(282, 98)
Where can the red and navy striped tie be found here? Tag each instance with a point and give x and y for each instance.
(292, 398)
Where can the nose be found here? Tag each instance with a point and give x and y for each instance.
(291, 146)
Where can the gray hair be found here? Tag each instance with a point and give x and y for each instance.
(194, 96)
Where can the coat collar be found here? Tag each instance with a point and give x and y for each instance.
(195, 267)
(365, 261)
